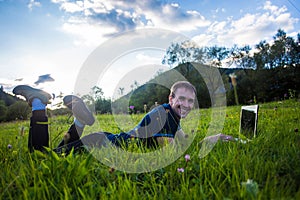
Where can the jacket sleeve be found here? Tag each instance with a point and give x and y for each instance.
(152, 123)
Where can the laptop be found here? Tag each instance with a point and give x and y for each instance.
(248, 121)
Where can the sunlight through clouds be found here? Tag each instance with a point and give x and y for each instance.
(54, 37)
(104, 19)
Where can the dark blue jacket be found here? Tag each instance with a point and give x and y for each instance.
(159, 122)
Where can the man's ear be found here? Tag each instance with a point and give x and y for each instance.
(170, 99)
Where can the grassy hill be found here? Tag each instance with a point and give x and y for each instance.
(268, 167)
(8, 99)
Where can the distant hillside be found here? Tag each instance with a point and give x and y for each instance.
(12, 108)
(157, 89)
(252, 86)
(8, 98)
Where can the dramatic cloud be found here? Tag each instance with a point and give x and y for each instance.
(251, 28)
(103, 19)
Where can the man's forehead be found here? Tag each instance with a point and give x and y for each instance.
(184, 89)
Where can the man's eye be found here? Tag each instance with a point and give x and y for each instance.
(191, 101)
(181, 98)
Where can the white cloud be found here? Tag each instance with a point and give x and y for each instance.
(102, 19)
(217, 27)
(172, 17)
(33, 4)
(251, 28)
(72, 7)
(274, 9)
(147, 59)
(93, 34)
(203, 39)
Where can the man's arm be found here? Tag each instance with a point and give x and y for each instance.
(181, 136)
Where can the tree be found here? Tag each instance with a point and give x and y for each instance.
(103, 106)
(186, 51)
(121, 90)
(18, 110)
(3, 111)
(241, 57)
(282, 52)
(265, 75)
(216, 54)
(98, 92)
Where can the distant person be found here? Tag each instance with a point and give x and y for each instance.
(157, 127)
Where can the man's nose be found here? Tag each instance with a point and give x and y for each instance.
(185, 103)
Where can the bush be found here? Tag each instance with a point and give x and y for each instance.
(3, 110)
(18, 110)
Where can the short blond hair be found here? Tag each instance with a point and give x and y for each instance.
(182, 84)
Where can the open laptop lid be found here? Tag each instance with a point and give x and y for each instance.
(248, 121)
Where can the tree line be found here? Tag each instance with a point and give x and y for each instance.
(269, 71)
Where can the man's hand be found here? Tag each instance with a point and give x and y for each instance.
(220, 136)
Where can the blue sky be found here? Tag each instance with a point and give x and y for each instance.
(55, 37)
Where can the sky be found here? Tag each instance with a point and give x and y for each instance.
(55, 40)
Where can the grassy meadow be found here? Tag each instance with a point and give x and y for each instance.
(268, 167)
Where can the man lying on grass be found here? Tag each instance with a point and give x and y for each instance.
(161, 124)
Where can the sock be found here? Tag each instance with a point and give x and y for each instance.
(78, 123)
(37, 104)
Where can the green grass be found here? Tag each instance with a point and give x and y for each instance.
(271, 161)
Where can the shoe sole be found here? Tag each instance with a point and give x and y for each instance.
(79, 109)
(35, 93)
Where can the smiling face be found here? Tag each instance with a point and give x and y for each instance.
(182, 101)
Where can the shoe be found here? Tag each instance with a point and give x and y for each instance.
(79, 109)
(30, 93)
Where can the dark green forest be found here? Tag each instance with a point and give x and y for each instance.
(268, 72)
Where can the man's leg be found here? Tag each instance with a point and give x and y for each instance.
(38, 131)
(82, 116)
(93, 140)
(72, 135)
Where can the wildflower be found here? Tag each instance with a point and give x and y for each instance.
(111, 170)
(131, 107)
(9, 146)
(181, 170)
(187, 157)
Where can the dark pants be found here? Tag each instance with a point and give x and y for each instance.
(100, 139)
(38, 131)
(97, 140)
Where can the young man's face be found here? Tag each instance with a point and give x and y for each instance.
(183, 101)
